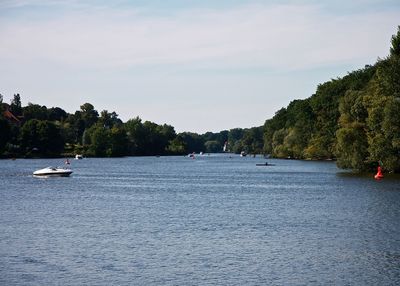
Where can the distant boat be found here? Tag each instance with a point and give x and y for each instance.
(78, 157)
(264, 164)
(243, 154)
(225, 148)
(53, 172)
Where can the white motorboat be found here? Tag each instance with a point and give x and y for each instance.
(53, 172)
(78, 157)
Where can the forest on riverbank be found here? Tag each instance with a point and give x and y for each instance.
(354, 119)
(37, 131)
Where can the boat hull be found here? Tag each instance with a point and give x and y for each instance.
(52, 172)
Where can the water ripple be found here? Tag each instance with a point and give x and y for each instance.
(211, 221)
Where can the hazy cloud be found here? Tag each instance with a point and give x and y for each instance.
(282, 37)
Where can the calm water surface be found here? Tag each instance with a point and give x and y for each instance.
(214, 220)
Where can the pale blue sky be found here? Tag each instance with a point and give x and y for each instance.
(197, 65)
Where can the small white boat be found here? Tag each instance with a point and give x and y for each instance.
(78, 157)
(53, 172)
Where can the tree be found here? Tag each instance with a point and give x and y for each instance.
(352, 147)
(109, 120)
(41, 137)
(391, 122)
(29, 137)
(213, 146)
(352, 142)
(220, 137)
(118, 142)
(16, 107)
(99, 141)
(271, 126)
(5, 131)
(57, 114)
(1, 106)
(34, 111)
(89, 114)
(234, 140)
(177, 146)
(192, 141)
(51, 140)
(252, 140)
(75, 127)
(380, 137)
(325, 106)
(278, 147)
(395, 48)
(136, 136)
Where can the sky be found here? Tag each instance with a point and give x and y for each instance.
(196, 65)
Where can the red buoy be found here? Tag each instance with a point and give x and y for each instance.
(379, 174)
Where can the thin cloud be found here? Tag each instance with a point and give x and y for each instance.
(280, 36)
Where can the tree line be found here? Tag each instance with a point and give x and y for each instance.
(354, 119)
(37, 131)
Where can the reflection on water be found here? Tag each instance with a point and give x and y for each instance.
(213, 220)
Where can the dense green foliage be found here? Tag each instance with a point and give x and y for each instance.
(354, 119)
(38, 131)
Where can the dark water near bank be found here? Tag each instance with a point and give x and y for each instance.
(214, 220)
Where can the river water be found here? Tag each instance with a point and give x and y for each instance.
(213, 220)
